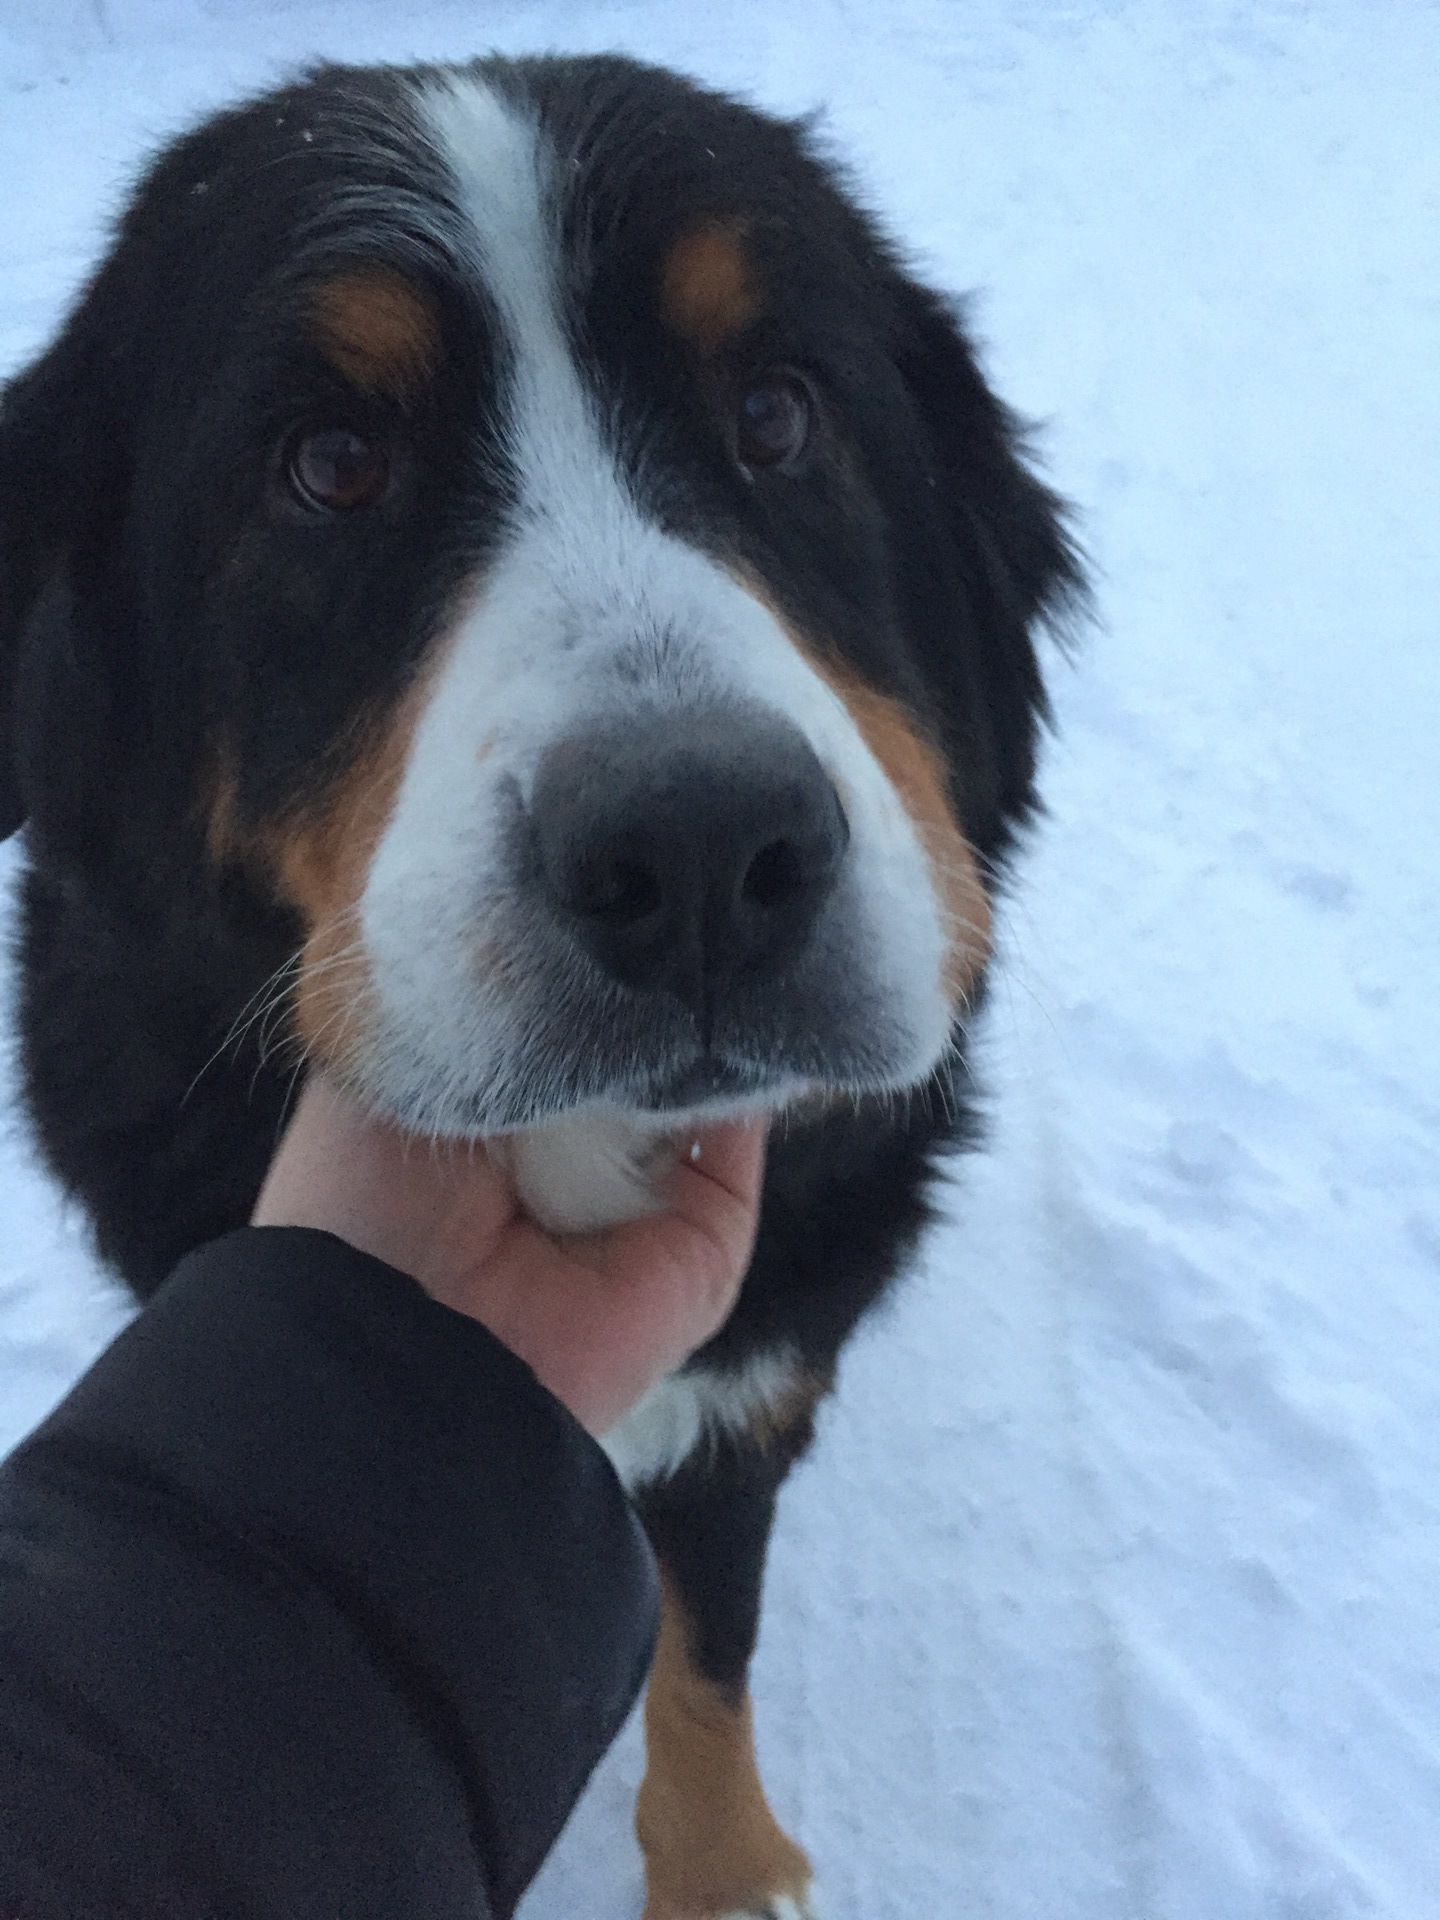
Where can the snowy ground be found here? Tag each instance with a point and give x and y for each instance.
(1113, 1589)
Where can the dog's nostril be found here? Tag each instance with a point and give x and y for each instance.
(775, 876)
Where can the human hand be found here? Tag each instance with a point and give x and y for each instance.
(599, 1317)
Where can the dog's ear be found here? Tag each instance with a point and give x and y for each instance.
(57, 472)
(1019, 568)
(21, 567)
(979, 450)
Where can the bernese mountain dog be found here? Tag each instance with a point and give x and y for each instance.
(510, 590)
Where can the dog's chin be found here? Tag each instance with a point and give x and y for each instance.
(603, 1162)
(604, 1165)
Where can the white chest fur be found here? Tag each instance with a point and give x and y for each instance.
(687, 1410)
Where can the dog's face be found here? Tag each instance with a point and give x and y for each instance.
(522, 520)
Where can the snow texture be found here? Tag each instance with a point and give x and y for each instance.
(1110, 1591)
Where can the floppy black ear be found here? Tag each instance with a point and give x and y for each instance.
(1019, 568)
(57, 466)
(21, 566)
(980, 452)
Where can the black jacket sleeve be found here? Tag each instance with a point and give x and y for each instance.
(314, 1605)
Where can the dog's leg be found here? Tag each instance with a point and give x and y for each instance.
(713, 1849)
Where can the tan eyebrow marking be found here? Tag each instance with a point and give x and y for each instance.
(708, 288)
(377, 328)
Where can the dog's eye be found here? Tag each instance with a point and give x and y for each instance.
(338, 469)
(774, 422)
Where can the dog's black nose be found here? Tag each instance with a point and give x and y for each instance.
(689, 849)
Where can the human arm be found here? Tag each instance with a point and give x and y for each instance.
(312, 1600)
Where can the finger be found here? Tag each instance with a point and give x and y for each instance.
(715, 1182)
(420, 1205)
(700, 1243)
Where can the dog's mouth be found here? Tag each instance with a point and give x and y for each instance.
(708, 1086)
(600, 1164)
(715, 1081)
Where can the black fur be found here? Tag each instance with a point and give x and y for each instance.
(159, 602)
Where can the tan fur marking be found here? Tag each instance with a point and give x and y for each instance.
(317, 860)
(377, 329)
(794, 1408)
(916, 772)
(708, 290)
(711, 1844)
(321, 863)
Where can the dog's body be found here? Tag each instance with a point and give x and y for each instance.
(508, 590)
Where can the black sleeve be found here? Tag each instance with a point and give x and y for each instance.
(314, 1605)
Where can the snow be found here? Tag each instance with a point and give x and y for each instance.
(1110, 1591)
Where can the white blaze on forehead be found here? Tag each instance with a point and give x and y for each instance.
(588, 609)
(502, 170)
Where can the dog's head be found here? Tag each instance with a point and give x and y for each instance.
(524, 521)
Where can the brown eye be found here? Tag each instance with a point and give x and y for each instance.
(338, 470)
(774, 421)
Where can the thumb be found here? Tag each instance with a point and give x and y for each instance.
(701, 1240)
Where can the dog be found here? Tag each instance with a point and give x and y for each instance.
(512, 591)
